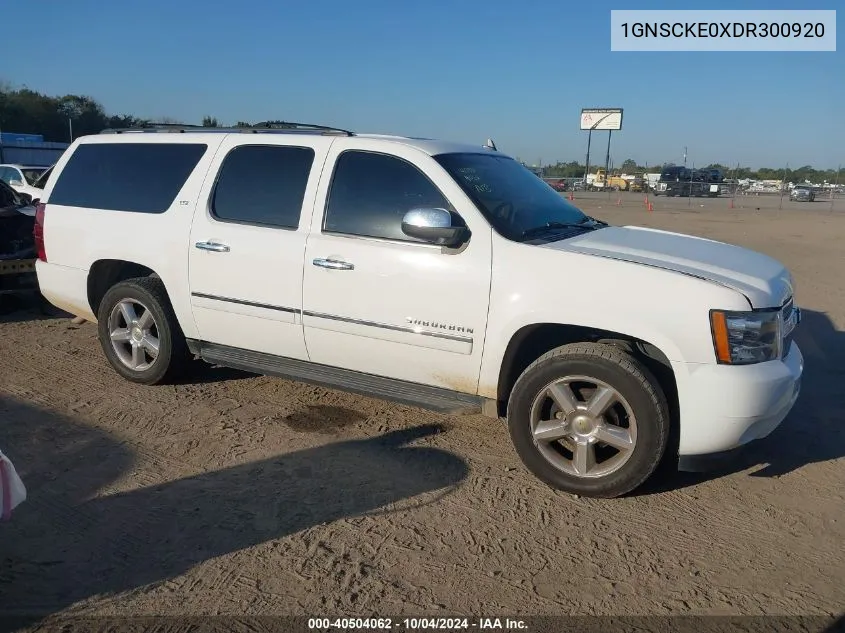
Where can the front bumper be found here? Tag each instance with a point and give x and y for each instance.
(723, 407)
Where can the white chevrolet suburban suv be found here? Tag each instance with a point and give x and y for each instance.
(440, 275)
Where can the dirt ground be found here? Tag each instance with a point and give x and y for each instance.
(239, 494)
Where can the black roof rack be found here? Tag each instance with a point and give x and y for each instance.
(265, 126)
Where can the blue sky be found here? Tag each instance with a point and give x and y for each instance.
(518, 72)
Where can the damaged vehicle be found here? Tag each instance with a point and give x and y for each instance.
(17, 244)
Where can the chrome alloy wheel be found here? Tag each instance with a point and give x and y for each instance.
(583, 426)
(134, 334)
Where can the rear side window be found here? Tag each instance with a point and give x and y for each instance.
(263, 185)
(138, 177)
(371, 193)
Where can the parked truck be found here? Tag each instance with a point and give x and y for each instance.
(681, 181)
(676, 346)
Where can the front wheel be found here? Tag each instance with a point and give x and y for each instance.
(589, 419)
(139, 332)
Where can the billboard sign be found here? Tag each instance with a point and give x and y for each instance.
(601, 119)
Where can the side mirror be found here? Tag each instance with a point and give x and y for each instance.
(434, 226)
(16, 183)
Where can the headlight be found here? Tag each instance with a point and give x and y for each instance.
(742, 338)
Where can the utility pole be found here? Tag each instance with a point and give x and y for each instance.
(685, 155)
(607, 164)
(783, 185)
(587, 167)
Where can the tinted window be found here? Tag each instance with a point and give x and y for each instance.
(140, 177)
(370, 194)
(512, 198)
(6, 174)
(261, 184)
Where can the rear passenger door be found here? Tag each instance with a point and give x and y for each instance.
(248, 242)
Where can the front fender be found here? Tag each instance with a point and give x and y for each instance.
(532, 285)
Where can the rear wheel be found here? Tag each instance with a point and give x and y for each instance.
(589, 419)
(139, 332)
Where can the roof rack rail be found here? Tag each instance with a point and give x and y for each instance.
(264, 126)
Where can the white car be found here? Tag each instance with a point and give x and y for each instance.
(434, 274)
(23, 178)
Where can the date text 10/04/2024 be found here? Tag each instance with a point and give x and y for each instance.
(415, 624)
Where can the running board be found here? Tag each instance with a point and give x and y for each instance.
(399, 391)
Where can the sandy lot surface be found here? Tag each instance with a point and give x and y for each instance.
(239, 494)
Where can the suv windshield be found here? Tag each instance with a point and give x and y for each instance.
(514, 200)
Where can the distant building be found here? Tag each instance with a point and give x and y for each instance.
(8, 138)
(29, 149)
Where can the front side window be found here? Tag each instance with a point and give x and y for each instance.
(371, 193)
(263, 184)
(512, 199)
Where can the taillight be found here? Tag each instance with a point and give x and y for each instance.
(38, 231)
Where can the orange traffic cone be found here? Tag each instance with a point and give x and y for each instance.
(731, 206)
(571, 195)
(618, 202)
(650, 207)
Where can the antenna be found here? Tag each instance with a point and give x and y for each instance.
(491, 145)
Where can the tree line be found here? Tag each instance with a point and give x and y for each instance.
(60, 119)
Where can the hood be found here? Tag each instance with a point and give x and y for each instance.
(763, 280)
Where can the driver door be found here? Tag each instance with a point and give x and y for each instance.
(379, 302)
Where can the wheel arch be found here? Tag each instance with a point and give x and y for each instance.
(105, 273)
(530, 342)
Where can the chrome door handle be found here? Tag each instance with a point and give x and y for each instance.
(333, 264)
(217, 247)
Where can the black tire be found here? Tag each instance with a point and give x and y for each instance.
(630, 379)
(173, 355)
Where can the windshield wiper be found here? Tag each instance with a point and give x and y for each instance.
(556, 226)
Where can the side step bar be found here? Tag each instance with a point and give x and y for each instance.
(399, 391)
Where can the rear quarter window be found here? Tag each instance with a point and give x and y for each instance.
(135, 177)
